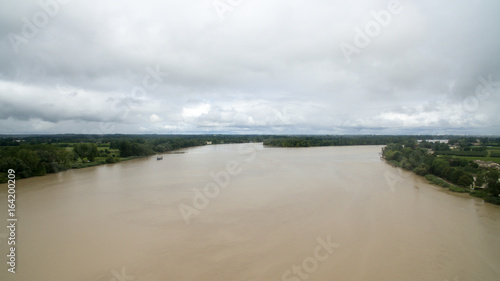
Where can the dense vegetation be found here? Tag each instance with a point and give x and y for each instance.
(33, 160)
(463, 153)
(307, 141)
(495, 154)
(66, 140)
(36, 155)
(458, 174)
(39, 155)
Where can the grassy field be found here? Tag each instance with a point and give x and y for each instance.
(79, 165)
(493, 154)
(494, 159)
(99, 160)
(438, 181)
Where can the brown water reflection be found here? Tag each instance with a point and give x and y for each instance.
(95, 223)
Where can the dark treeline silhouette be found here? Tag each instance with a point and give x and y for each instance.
(37, 155)
(33, 160)
(307, 141)
(64, 139)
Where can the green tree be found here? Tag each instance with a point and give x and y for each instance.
(448, 173)
(438, 166)
(456, 175)
(92, 152)
(421, 170)
(86, 150)
(465, 180)
(31, 159)
(22, 170)
(493, 188)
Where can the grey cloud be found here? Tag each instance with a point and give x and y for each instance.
(269, 66)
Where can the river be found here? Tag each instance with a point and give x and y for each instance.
(329, 213)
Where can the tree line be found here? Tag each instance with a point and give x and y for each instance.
(36, 155)
(308, 141)
(464, 173)
(34, 160)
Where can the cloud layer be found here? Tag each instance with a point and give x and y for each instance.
(270, 67)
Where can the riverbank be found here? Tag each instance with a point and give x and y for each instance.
(455, 175)
(38, 155)
(437, 181)
(100, 162)
(78, 166)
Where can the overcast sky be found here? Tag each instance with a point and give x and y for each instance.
(241, 66)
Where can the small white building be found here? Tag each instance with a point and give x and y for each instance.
(434, 141)
(488, 164)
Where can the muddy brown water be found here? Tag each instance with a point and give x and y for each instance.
(331, 213)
